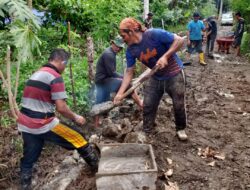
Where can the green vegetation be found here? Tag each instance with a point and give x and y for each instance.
(31, 42)
(175, 14)
(243, 7)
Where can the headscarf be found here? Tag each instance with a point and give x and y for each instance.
(131, 24)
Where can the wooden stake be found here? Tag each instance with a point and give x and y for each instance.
(71, 70)
(90, 55)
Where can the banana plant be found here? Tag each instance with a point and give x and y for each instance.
(20, 33)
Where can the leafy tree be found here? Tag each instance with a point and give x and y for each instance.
(101, 17)
(174, 12)
(243, 7)
(21, 32)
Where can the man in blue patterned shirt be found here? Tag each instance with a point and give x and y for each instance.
(155, 47)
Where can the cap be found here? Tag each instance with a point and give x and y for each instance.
(196, 14)
(150, 14)
(118, 41)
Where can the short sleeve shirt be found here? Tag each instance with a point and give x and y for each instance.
(154, 44)
(195, 29)
(41, 90)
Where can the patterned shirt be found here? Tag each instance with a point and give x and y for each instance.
(154, 44)
(41, 90)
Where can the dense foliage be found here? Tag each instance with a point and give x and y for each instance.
(100, 18)
(21, 32)
(243, 6)
(178, 13)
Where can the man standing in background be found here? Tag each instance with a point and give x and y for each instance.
(194, 37)
(238, 33)
(148, 21)
(211, 36)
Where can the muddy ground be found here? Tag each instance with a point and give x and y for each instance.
(218, 110)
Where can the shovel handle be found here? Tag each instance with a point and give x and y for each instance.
(141, 80)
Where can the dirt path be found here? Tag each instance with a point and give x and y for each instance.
(218, 109)
(218, 117)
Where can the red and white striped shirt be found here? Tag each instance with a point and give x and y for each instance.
(41, 90)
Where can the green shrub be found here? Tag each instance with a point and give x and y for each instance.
(245, 43)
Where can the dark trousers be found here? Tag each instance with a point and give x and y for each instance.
(67, 137)
(153, 92)
(210, 44)
(106, 87)
(195, 46)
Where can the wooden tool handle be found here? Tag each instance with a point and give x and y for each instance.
(141, 79)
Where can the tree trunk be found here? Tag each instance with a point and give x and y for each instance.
(12, 101)
(29, 2)
(220, 13)
(146, 8)
(90, 55)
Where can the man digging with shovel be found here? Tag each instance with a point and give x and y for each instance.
(107, 80)
(155, 47)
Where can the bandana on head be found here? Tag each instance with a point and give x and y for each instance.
(131, 24)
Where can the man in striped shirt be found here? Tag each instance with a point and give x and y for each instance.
(155, 47)
(43, 94)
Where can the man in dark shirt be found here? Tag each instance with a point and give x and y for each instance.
(148, 21)
(107, 80)
(211, 36)
(238, 33)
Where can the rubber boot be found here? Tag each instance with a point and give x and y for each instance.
(90, 154)
(202, 61)
(26, 176)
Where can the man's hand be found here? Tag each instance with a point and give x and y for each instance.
(117, 99)
(79, 119)
(188, 42)
(162, 62)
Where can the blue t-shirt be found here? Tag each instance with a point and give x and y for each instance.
(155, 43)
(195, 29)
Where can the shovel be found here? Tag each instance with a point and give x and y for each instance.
(106, 106)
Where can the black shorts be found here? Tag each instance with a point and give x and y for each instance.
(237, 41)
(195, 46)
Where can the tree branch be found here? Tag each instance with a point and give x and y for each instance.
(12, 101)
